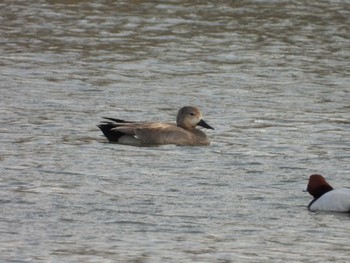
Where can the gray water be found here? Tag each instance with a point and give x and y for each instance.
(272, 77)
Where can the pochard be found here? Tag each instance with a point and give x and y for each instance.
(326, 198)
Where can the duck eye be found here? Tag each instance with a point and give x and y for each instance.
(191, 113)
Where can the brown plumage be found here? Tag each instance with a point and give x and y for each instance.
(184, 132)
(317, 185)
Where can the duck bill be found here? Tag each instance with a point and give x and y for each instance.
(203, 124)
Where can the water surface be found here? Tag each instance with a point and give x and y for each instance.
(272, 77)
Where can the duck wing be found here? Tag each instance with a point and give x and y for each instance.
(110, 129)
(161, 133)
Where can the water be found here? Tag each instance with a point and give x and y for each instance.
(272, 77)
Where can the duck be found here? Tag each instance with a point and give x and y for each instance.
(326, 198)
(184, 132)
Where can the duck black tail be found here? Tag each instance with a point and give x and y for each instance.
(107, 129)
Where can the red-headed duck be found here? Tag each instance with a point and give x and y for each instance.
(184, 132)
(325, 197)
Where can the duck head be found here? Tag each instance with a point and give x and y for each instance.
(318, 186)
(189, 117)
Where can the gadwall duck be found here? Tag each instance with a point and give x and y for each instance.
(184, 132)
